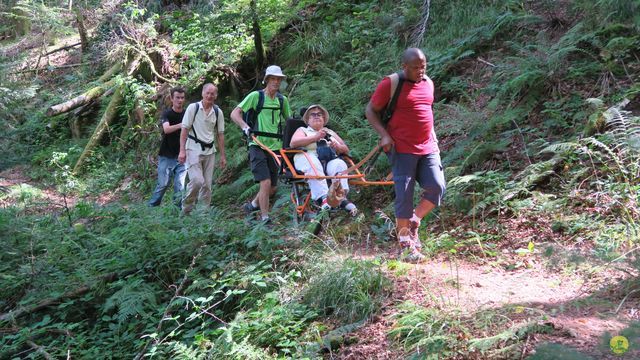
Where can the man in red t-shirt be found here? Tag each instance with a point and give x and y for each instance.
(410, 142)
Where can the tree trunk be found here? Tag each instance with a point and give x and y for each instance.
(107, 118)
(84, 40)
(257, 38)
(80, 100)
(21, 20)
(418, 32)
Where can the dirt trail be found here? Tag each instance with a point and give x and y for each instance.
(48, 199)
(577, 306)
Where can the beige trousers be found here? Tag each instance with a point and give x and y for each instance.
(200, 170)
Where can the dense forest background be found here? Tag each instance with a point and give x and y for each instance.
(532, 255)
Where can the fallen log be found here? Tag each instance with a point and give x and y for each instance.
(61, 49)
(107, 118)
(12, 315)
(80, 100)
(111, 72)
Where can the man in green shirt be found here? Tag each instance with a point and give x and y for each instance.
(269, 110)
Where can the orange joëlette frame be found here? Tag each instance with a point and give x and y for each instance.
(356, 179)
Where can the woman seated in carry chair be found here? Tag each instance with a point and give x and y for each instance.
(322, 147)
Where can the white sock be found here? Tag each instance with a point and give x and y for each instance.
(415, 218)
(350, 206)
(265, 218)
(405, 240)
(254, 203)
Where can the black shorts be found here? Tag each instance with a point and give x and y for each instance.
(263, 166)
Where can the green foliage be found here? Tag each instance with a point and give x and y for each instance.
(348, 290)
(134, 297)
(212, 40)
(553, 351)
(479, 192)
(48, 18)
(154, 248)
(425, 332)
(270, 325)
(514, 333)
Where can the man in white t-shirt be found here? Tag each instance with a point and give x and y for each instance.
(202, 129)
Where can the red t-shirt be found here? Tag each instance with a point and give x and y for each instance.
(411, 125)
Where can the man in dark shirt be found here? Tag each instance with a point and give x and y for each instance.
(168, 164)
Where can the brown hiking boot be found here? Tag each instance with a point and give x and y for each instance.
(411, 255)
(410, 247)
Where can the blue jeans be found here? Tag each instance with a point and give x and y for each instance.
(168, 167)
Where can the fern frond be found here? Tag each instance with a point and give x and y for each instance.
(560, 148)
(134, 297)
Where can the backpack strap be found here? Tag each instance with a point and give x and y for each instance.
(258, 109)
(260, 102)
(216, 110)
(194, 137)
(397, 80)
(281, 101)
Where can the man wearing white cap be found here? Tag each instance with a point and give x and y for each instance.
(263, 113)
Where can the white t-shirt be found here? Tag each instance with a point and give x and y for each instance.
(205, 126)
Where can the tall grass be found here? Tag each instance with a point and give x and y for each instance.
(348, 290)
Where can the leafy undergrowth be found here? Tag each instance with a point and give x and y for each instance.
(533, 253)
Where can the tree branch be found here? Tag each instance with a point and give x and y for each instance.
(61, 49)
(39, 349)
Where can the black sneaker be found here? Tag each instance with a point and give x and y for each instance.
(267, 223)
(248, 208)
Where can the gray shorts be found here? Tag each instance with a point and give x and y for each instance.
(409, 168)
(263, 166)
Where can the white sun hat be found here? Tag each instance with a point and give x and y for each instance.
(273, 70)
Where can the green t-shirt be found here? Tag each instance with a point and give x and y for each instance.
(268, 118)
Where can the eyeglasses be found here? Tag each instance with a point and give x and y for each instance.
(316, 114)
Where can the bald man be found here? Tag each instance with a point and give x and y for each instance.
(202, 130)
(410, 142)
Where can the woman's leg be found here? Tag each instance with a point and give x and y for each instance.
(303, 163)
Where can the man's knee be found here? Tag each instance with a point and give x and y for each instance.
(434, 192)
(196, 183)
(265, 185)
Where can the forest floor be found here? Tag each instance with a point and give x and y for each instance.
(578, 297)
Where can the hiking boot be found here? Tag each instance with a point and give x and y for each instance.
(412, 255)
(324, 204)
(349, 207)
(248, 208)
